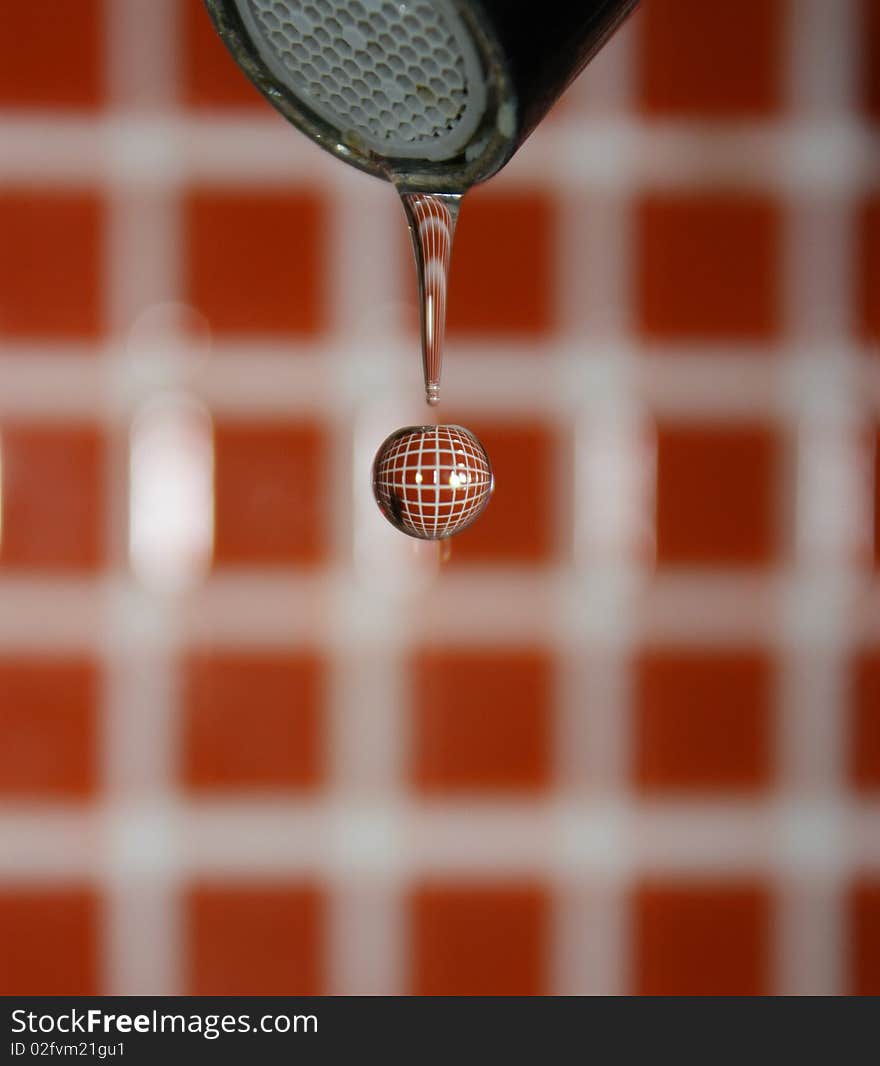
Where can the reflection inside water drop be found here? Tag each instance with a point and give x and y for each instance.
(431, 218)
(432, 482)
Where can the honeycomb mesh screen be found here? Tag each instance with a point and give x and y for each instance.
(404, 78)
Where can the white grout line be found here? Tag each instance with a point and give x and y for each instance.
(809, 918)
(620, 156)
(340, 379)
(142, 55)
(606, 86)
(591, 929)
(143, 943)
(607, 499)
(817, 271)
(574, 841)
(367, 949)
(378, 572)
(52, 842)
(144, 952)
(822, 70)
(494, 606)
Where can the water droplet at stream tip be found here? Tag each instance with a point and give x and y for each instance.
(432, 482)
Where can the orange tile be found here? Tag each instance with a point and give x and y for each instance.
(252, 721)
(270, 495)
(255, 263)
(864, 740)
(482, 720)
(479, 940)
(50, 264)
(708, 267)
(210, 76)
(703, 720)
(870, 64)
(868, 288)
(53, 497)
(701, 939)
(502, 281)
(254, 940)
(50, 941)
(51, 55)
(519, 524)
(711, 61)
(864, 938)
(48, 719)
(716, 495)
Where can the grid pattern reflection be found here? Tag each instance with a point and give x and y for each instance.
(626, 738)
(432, 481)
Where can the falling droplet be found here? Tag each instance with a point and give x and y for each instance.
(432, 482)
(431, 218)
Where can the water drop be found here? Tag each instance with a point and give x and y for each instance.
(431, 218)
(432, 482)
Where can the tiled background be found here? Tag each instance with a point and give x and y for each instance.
(628, 738)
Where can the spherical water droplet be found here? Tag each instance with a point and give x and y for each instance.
(432, 481)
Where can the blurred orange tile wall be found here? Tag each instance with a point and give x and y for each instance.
(627, 739)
